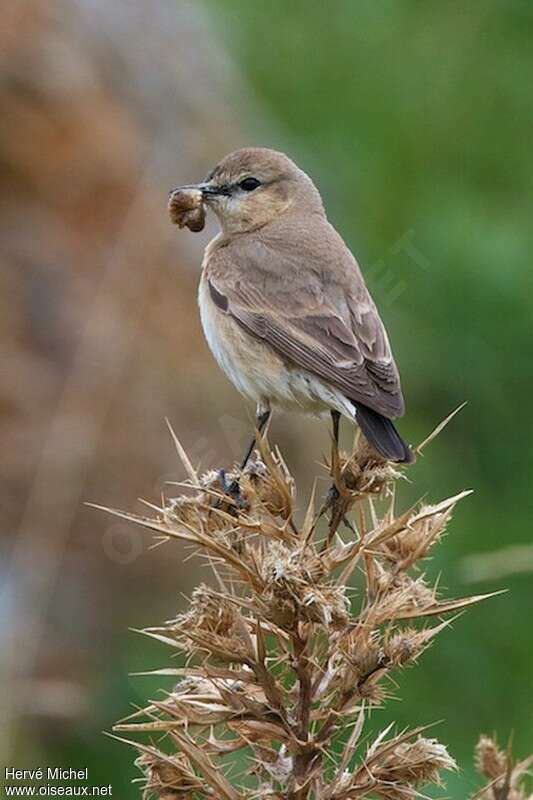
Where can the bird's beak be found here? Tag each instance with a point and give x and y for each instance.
(206, 189)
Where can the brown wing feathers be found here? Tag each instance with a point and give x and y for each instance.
(298, 288)
(324, 346)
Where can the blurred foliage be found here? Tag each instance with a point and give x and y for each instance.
(415, 119)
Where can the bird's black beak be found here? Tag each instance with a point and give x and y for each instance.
(207, 189)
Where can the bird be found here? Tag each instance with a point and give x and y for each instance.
(284, 305)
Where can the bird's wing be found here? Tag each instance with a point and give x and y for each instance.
(314, 321)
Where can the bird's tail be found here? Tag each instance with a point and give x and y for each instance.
(382, 435)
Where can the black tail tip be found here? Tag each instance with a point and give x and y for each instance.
(408, 457)
(383, 436)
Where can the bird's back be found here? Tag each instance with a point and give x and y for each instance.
(296, 285)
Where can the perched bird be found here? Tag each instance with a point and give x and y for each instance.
(283, 303)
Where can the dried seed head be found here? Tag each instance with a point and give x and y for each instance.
(200, 511)
(415, 540)
(292, 595)
(273, 490)
(359, 664)
(362, 673)
(405, 646)
(395, 769)
(364, 473)
(210, 613)
(398, 597)
(169, 777)
(192, 512)
(212, 627)
(506, 778)
(490, 760)
(412, 764)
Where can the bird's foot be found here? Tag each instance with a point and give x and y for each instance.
(331, 501)
(230, 488)
(332, 496)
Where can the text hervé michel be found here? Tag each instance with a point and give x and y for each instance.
(46, 773)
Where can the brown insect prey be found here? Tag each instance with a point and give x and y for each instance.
(186, 209)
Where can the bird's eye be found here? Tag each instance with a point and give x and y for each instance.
(249, 184)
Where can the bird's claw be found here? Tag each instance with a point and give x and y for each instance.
(331, 499)
(332, 495)
(223, 481)
(230, 488)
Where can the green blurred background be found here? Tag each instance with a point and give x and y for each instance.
(416, 121)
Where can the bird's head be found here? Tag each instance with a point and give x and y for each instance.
(254, 186)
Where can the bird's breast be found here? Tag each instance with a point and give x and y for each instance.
(257, 371)
(249, 365)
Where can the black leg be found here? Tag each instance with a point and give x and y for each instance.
(260, 421)
(232, 489)
(335, 418)
(333, 493)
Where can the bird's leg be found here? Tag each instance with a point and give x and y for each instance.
(262, 417)
(338, 513)
(335, 418)
(333, 492)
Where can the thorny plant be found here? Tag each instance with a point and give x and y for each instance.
(285, 660)
(505, 778)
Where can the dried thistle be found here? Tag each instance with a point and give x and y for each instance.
(281, 658)
(505, 778)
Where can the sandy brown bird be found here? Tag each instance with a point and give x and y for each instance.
(284, 305)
